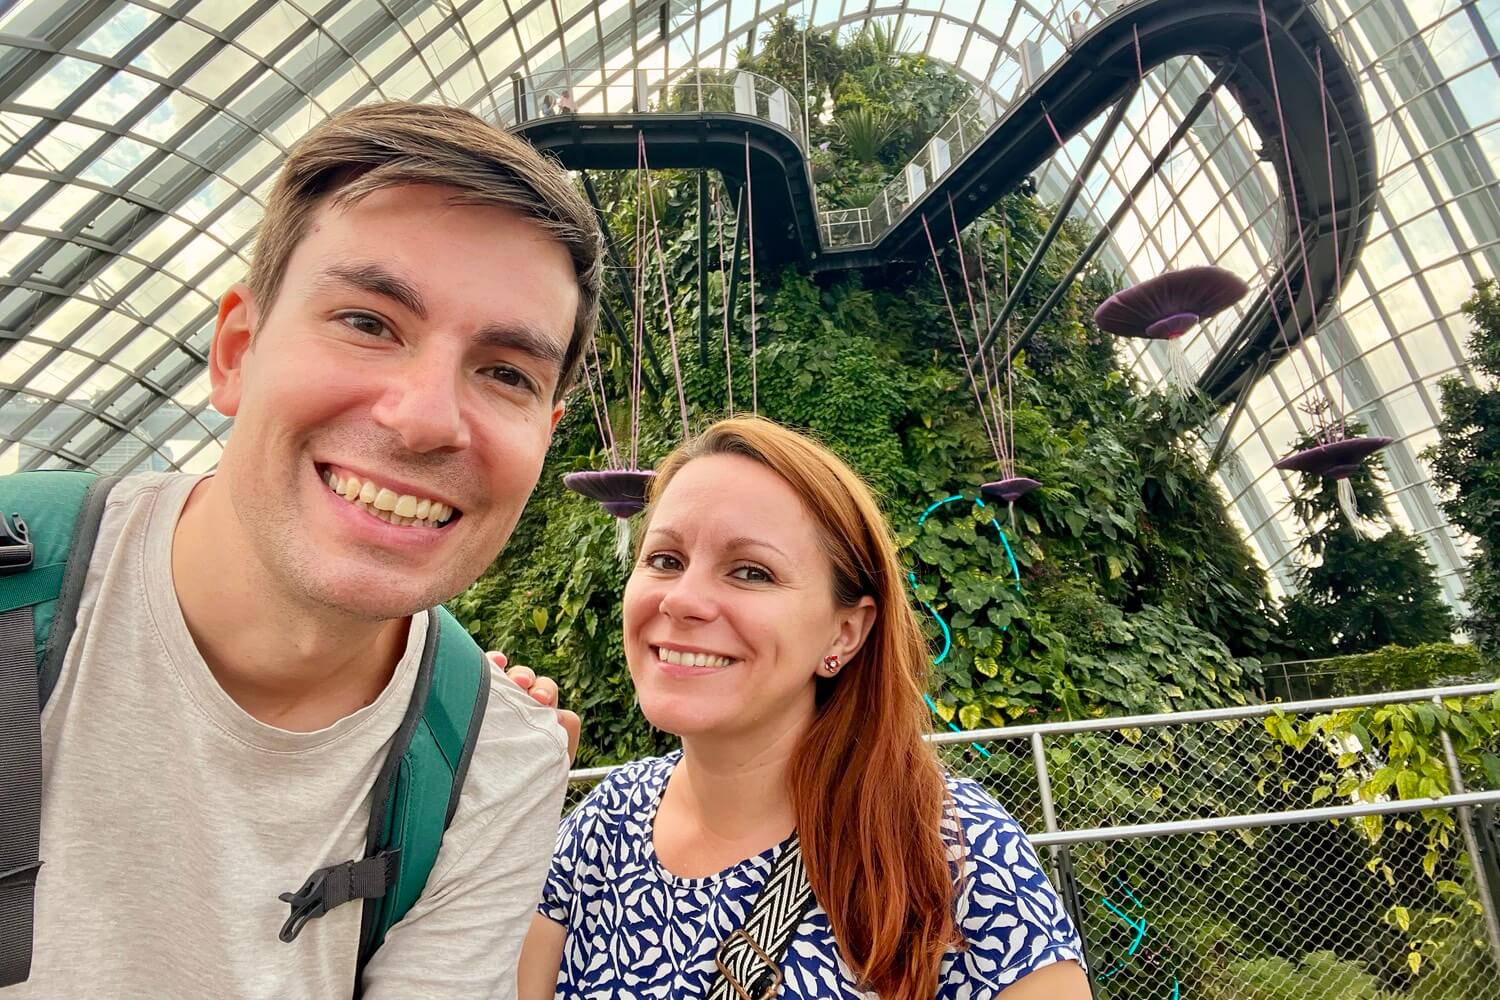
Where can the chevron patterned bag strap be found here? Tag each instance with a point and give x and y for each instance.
(749, 960)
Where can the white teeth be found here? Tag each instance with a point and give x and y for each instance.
(386, 503)
(682, 659)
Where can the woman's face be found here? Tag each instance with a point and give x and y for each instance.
(730, 609)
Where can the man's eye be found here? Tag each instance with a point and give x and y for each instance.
(372, 326)
(506, 375)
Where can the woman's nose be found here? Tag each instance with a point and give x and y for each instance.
(688, 599)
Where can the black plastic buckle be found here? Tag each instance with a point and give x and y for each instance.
(21, 875)
(308, 903)
(16, 550)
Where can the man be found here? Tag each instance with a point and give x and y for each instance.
(422, 289)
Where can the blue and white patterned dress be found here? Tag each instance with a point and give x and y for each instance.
(636, 930)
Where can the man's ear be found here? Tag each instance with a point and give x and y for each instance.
(557, 413)
(233, 331)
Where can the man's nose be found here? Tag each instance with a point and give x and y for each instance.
(423, 404)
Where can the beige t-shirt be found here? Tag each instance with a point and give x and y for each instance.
(172, 819)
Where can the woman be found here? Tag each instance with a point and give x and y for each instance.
(766, 626)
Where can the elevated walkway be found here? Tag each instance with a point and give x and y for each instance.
(991, 150)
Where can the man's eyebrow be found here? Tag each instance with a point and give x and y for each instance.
(524, 338)
(380, 280)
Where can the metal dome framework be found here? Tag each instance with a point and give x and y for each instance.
(140, 138)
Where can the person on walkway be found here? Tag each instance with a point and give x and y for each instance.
(422, 288)
(805, 842)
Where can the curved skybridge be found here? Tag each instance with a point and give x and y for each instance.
(994, 143)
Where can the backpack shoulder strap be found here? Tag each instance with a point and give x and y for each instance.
(415, 795)
(48, 522)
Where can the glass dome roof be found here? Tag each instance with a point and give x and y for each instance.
(140, 138)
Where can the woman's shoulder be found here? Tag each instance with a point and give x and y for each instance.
(990, 850)
(983, 820)
(1011, 918)
(636, 774)
(627, 790)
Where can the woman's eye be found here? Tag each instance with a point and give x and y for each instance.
(371, 326)
(752, 574)
(662, 561)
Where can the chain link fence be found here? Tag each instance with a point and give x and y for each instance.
(1203, 857)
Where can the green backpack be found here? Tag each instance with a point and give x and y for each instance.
(48, 524)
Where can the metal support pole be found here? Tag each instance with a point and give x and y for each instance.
(1105, 231)
(703, 268)
(1476, 860)
(1251, 378)
(1062, 856)
(518, 97)
(734, 260)
(1043, 782)
(1074, 190)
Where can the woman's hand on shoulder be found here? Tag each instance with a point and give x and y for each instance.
(544, 691)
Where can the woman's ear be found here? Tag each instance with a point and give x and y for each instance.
(854, 628)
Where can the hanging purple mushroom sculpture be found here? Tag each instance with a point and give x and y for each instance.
(1334, 459)
(621, 492)
(622, 488)
(1009, 490)
(1338, 457)
(1169, 305)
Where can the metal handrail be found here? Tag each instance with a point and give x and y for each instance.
(1226, 714)
(1248, 821)
(590, 90)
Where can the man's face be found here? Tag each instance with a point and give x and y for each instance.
(394, 406)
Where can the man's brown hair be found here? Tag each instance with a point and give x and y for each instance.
(374, 146)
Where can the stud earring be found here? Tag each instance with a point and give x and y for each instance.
(830, 665)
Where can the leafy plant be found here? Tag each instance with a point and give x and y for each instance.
(1401, 668)
(1466, 463)
(1397, 750)
(865, 132)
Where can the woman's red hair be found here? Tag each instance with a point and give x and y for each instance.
(868, 792)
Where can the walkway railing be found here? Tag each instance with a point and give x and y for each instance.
(1026, 62)
(1203, 856)
(588, 91)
